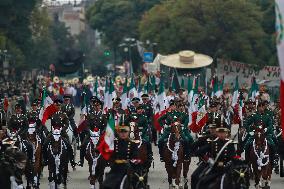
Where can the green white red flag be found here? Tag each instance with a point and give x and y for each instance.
(47, 107)
(106, 145)
(279, 6)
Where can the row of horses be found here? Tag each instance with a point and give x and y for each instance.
(258, 161)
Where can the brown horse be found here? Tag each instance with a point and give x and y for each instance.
(173, 156)
(260, 160)
(57, 156)
(140, 171)
(97, 163)
(34, 139)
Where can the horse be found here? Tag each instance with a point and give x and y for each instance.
(173, 156)
(97, 163)
(35, 140)
(260, 160)
(235, 176)
(57, 155)
(26, 147)
(72, 139)
(139, 171)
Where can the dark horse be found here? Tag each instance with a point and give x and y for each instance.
(26, 147)
(58, 157)
(35, 140)
(173, 156)
(260, 160)
(97, 163)
(139, 171)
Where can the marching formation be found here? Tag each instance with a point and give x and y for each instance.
(121, 121)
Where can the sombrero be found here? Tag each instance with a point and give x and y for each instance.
(187, 59)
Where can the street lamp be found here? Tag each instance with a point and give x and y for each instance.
(127, 47)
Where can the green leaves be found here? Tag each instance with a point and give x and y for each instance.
(222, 28)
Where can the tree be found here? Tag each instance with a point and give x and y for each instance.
(118, 19)
(229, 29)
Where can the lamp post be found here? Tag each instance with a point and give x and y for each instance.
(127, 48)
(152, 46)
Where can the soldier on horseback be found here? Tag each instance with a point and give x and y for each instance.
(95, 119)
(18, 122)
(33, 117)
(260, 118)
(171, 117)
(218, 153)
(139, 118)
(59, 120)
(69, 109)
(116, 111)
(125, 151)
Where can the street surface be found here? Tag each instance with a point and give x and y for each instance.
(157, 177)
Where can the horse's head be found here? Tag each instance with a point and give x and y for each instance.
(239, 174)
(95, 136)
(176, 129)
(56, 133)
(32, 128)
(134, 131)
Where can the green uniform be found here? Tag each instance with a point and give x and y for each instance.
(142, 123)
(257, 119)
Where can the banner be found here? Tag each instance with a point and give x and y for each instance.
(231, 69)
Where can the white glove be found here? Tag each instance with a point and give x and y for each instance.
(265, 130)
(211, 161)
(251, 133)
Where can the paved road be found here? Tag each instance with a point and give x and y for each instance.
(157, 176)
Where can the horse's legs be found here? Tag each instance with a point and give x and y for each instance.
(170, 181)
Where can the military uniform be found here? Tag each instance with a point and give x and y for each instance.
(18, 123)
(124, 151)
(2, 117)
(211, 151)
(33, 117)
(264, 120)
(69, 110)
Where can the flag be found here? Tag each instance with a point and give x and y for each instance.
(139, 88)
(106, 145)
(132, 87)
(279, 6)
(182, 82)
(214, 85)
(190, 85)
(219, 93)
(163, 104)
(236, 92)
(202, 115)
(124, 95)
(106, 95)
(96, 87)
(6, 104)
(194, 108)
(82, 122)
(111, 94)
(153, 83)
(47, 107)
(253, 90)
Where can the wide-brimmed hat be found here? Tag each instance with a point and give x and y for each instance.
(187, 59)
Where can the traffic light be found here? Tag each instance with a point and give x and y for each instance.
(107, 53)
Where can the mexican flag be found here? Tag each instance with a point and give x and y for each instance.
(82, 123)
(132, 87)
(47, 107)
(163, 104)
(253, 90)
(190, 87)
(193, 109)
(124, 95)
(279, 6)
(219, 93)
(96, 87)
(111, 94)
(182, 83)
(214, 85)
(106, 96)
(106, 145)
(202, 115)
(139, 88)
(236, 93)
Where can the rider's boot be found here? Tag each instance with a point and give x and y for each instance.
(275, 163)
(186, 148)
(150, 152)
(82, 156)
(160, 146)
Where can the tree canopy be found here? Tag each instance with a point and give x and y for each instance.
(232, 29)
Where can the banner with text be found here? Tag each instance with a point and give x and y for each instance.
(230, 69)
